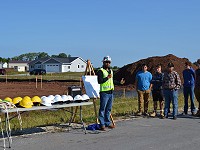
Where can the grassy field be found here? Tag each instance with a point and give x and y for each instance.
(49, 76)
(122, 108)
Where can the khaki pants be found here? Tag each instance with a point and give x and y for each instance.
(143, 97)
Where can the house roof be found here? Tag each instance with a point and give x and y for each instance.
(18, 61)
(39, 60)
(53, 60)
(66, 60)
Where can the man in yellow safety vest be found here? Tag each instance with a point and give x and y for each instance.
(105, 79)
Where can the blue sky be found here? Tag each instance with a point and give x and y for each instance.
(127, 30)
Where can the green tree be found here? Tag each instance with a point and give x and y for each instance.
(62, 55)
(42, 55)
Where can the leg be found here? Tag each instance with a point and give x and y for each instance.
(197, 95)
(155, 106)
(174, 95)
(108, 110)
(103, 102)
(167, 102)
(193, 109)
(146, 101)
(140, 100)
(154, 113)
(161, 102)
(161, 108)
(186, 94)
(155, 98)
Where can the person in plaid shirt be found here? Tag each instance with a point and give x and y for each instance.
(171, 85)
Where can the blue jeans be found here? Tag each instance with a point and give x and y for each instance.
(189, 91)
(171, 95)
(105, 108)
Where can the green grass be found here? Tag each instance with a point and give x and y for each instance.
(122, 108)
(49, 76)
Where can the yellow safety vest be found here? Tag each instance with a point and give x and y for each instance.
(108, 85)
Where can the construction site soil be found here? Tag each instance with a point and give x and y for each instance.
(28, 88)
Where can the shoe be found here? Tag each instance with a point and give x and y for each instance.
(174, 117)
(153, 114)
(111, 126)
(161, 113)
(197, 114)
(163, 117)
(146, 114)
(138, 113)
(193, 114)
(103, 128)
(184, 113)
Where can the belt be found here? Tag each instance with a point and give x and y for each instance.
(107, 92)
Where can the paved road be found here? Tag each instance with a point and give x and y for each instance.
(133, 134)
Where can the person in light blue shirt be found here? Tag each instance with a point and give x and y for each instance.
(143, 87)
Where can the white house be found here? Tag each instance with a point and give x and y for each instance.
(20, 66)
(3, 65)
(17, 65)
(70, 64)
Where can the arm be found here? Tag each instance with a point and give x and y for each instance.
(193, 74)
(100, 77)
(178, 81)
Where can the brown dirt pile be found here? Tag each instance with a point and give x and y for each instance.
(129, 71)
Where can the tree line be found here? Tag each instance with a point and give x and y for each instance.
(33, 56)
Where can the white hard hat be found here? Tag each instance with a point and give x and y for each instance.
(46, 101)
(78, 98)
(70, 98)
(57, 98)
(64, 98)
(51, 97)
(107, 58)
(42, 97)
(85, 97)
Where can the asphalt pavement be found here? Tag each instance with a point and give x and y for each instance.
(131, 134)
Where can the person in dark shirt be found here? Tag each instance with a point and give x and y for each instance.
(188, 88)
(157, 92)
(197, 87)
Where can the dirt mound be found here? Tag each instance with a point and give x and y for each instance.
(129, 71)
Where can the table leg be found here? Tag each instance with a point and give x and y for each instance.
(7, 127)
(74, 113)
(81, 118)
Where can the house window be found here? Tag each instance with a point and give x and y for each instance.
(68, 67)
(82, 66)
(78, 66)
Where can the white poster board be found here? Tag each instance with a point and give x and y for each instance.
(92, 87)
